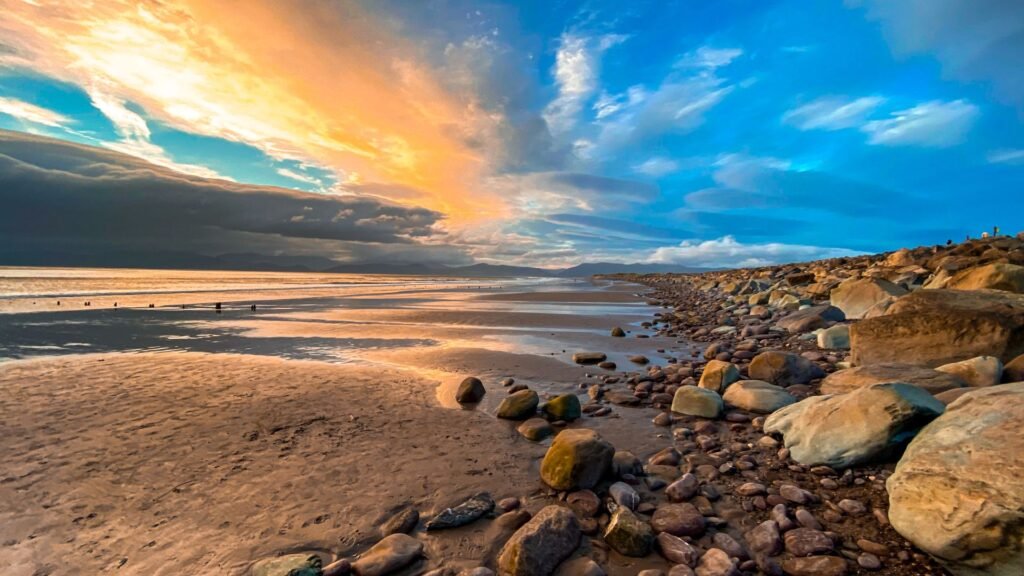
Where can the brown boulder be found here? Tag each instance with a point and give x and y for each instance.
(936, 327)
(996, 276)
(933, 381)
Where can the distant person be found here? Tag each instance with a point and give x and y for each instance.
(253, 308)
(949, 242)
(984, 234)
(995, 230)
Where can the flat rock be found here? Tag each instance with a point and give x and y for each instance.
(389, 555)
(469, 511)
(757, 396)
(536, 429)
(540, 545)
(677, 550)
(678, 519)
(589, 357)
(811, 318)
(815, 566)
(869, 423)
(958, 491)
(288, 565)
(993, 276)
(932, 381)
(936, 327)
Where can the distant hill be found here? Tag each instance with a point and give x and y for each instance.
(502, 271)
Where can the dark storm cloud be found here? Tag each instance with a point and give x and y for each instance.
(58, 194)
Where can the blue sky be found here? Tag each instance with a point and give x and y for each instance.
(715, 133)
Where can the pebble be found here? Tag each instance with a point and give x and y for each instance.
(869, 561)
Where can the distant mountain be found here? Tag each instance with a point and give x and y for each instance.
(592, 268)
(503, 271)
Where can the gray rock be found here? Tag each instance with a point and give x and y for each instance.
(678, 519)
(677, 550)
(541, 544)
(624, 495)
(841, 431)
(469, 511)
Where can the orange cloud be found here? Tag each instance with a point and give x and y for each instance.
(321, 82)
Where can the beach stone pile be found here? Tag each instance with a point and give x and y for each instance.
(857, 415)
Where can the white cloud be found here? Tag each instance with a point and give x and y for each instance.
(32, 113)
(934, 124)
(300, 177)
(577, 70)
(657, 166)
(135, 136)
(1006, 156)
(727, 252)
(832, 113)
(709, 58)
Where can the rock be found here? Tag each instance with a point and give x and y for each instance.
(757, 396)
(1013, 371)
(389, 555)
(625, 462)
(783, 369)
(340, 567)
(606, 365)
(589, 357)
(835, 338)
(868, 561)
(402, 523)
(535, 429)
(729, 545)
(541, 544)
(978, 372)
(936, 327)
(581, 566)
(764, 539)
(506, 382)
(695, 401)
(932, 381)
(677, 550)
(289, 565)
(628, 534)
(471, 390)
(815, 566)
(811, 318)
(469, 511)
(807, 542)
(843, 430)
(750, 489)
(683, 489)
(638, 359)
(678, 520)
(624, 495)
(584, 503)
(519, 405)
(994, 276)
(565, 407)
(577, 458)
(718, 375)
(715, 562)
(863, 297)
(618, 332)
(958, 491)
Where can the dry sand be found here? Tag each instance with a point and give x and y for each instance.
(159, 463)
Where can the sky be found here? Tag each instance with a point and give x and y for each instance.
(544, 133)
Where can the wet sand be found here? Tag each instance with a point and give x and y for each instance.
(187, 440)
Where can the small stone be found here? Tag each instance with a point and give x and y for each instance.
(618, 332)
(750, 489)
(682, 489)
(869, 561)
(565, 407)
(807, 520)
(536, 429)
(815, 566)
(628, 534)
(678, 519)
(765, 539)
(389, 555)
(401, 523)
(589, 357)
(624, 495)
(852, 507)
(677, 550)
(715, 562)
(471, 390)
(807, 542)
(465, 513)
(584, 502)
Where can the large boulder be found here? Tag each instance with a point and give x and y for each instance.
(577, 458)
(994, 276)
(783, 368)
(958, 491)
(718, 375)
(864, 297)
(933, 381)
(757, 396)
(936, 327)
(840, 431)
(1013, 371)
(540, 545)
(835, 338)
(811, 318)
(696, 401)
(981, 371)
(471, 390)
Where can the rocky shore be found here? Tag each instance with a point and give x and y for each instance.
(849, 416)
